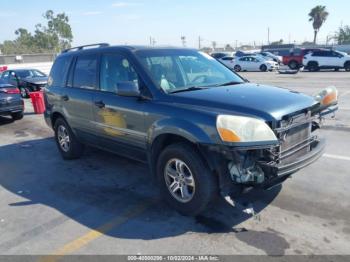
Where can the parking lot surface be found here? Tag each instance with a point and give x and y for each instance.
(106, 204)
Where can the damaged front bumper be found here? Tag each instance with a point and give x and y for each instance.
(262, 166)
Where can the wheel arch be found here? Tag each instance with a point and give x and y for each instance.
(55, 116)
(168, 132)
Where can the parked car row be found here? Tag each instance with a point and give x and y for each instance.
(312, 59)
(26, 80)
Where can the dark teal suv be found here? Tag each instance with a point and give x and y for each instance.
(202, 129)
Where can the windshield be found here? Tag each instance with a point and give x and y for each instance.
(173, 70)
(29, 73)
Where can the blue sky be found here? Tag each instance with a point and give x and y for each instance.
(134, 21)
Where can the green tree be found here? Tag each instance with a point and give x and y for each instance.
(342, 36)
(52, 37)
(318, 15)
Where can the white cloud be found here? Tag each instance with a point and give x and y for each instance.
(92, 13)
(124, 4)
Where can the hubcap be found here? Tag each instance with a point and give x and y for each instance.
(179, 180)
(63, 138)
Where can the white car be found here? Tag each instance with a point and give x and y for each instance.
(327, 59)
(254, 63)
(228, 61)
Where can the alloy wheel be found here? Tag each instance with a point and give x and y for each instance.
(179, 180)
(63, 138)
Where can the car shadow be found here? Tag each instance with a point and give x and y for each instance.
(5, 120)
(102, 187)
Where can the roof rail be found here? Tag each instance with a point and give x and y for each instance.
(77, 48)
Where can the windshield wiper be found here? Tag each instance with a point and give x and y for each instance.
(230, 83)
(191, 88)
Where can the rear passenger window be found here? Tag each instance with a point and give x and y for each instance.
(85, 72)
(59, 72)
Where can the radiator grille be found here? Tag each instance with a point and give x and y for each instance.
(295, 142)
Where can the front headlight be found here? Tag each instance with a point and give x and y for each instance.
(243, 129)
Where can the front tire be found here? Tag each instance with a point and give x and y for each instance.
(185, 181)
(67, 143)
(263, 68)
(17, 116)
(237, 68)
(347, 66)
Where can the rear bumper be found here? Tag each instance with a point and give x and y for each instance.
(10, 110)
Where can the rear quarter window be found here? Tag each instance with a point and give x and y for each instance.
(59, 72)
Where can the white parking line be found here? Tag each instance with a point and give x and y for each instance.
(337, 157)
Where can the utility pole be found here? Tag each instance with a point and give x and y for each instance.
(183, 40)
(150, 40)
(199, 42)
(268, 35)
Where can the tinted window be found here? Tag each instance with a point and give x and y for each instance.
(85, 72)
(5, 75)
(59, 71)
(227, 58)
(23, 73)
(37, 73)
(115, 69)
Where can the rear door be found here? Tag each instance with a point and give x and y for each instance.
(77, 96)
(119, 120)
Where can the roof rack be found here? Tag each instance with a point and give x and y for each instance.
(77, 48)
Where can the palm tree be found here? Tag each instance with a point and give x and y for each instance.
(318, 16)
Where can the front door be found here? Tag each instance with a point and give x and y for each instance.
(119, 119)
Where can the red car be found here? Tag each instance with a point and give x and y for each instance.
(295, 59)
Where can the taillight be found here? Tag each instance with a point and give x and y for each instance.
(11, 91)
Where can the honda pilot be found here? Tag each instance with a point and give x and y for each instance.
(202, 129)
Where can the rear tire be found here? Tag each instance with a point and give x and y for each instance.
(263, 68)
(293, 65)
(17, 116)
(185, 164)
(237, 68)
(313, 66)
(24, 92)
(67, 143)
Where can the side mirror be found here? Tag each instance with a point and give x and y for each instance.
(128, 88)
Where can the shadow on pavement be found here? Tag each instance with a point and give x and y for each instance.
(5, 120)
(101, 186)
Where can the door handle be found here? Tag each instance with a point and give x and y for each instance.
(65, 98)
(100, 104)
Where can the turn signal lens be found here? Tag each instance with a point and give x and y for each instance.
(228, 135)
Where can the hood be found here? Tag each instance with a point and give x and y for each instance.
(36, 80)
(266, 102)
